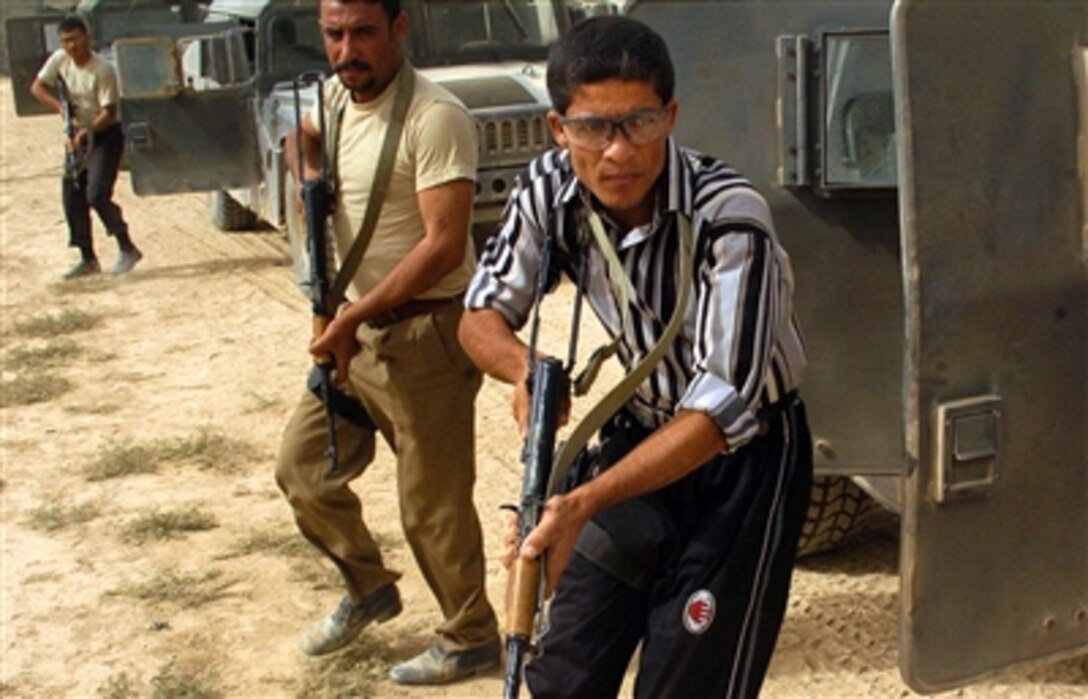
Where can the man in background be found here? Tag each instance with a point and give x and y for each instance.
(95, 145)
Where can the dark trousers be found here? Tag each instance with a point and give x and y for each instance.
(718, 548)
(93, 189)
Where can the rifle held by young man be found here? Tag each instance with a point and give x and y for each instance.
(524, 592)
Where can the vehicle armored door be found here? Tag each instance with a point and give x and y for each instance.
(29, 41)
(990, 100)
(191, 130)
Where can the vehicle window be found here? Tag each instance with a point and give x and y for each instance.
(859, 120)
(465, 31)
(296, 46)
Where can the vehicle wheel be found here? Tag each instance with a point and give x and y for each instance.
(835, 509)
(228, 214)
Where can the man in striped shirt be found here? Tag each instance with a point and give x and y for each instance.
(696, 512)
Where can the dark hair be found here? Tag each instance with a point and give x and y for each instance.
(390, 7)
(608, 48)
(71, 23)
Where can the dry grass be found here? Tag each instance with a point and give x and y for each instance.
(67, 321)
(27, 389)
(175, 682)
(51, 355)
(166, 524)
(282, 543)
(350, 673)
(54, 515)
(206, 449)
(187, 590)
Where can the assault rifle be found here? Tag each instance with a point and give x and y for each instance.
(549, 384)
(74, 159)
(317, 196)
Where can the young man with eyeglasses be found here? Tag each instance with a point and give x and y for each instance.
(684, 537)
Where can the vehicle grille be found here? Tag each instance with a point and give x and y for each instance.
(519, 136)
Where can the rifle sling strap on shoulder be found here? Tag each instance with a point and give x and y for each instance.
(618, 394)
(382, 174)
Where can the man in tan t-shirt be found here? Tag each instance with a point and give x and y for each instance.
(97, 143)
(395, 348)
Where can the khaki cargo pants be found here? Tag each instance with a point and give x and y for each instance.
(420, 388)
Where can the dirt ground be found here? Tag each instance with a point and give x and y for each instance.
(146, 549)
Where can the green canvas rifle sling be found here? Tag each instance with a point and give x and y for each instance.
(618, 394)
(382, 174)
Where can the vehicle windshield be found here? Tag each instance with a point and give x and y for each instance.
(444, 32)
(453, 32)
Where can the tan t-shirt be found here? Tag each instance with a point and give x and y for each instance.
(92, 86)
(438, 145)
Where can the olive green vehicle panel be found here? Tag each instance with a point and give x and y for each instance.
(844, 247)
(191, 142)
(994, 564)
(941, 283)
(30, 40)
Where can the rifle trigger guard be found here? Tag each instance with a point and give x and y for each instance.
(510, 507)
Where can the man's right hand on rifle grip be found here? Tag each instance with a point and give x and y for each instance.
(338, 340)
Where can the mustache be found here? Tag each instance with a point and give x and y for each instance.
(356, 64)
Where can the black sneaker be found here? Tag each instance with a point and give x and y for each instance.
(342, 626)
(83, 268)
(127, 260)
(437, 665)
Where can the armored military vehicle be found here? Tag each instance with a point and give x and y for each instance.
(208, 109)
(30, 32)
(927, 164)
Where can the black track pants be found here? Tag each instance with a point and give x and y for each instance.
(719, 546)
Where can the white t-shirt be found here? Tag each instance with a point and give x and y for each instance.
(91, 86)
(438, 145)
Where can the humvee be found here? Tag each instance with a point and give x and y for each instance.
(206, 105)
(208, 109)
(30, 32)
(927, 165)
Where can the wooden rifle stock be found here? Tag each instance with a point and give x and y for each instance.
(525, 587)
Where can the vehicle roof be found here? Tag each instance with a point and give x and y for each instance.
(249, 9)
(89, 5)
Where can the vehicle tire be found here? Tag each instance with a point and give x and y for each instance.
(836, 508)
(228, 214)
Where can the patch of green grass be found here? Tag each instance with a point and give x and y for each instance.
(54, 515)
(51, 355)
(67, 321)
(173, 682)
(27, 389)
(166, 524)
(351, 673)
(283, 543)
(187, 590)
(206, 449)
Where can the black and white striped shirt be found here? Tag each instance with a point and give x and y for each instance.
(740, 346)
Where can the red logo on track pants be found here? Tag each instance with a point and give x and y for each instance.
(699, 611)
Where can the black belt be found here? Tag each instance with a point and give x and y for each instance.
(409, 309)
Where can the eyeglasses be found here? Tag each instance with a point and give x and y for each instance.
(596, 132)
